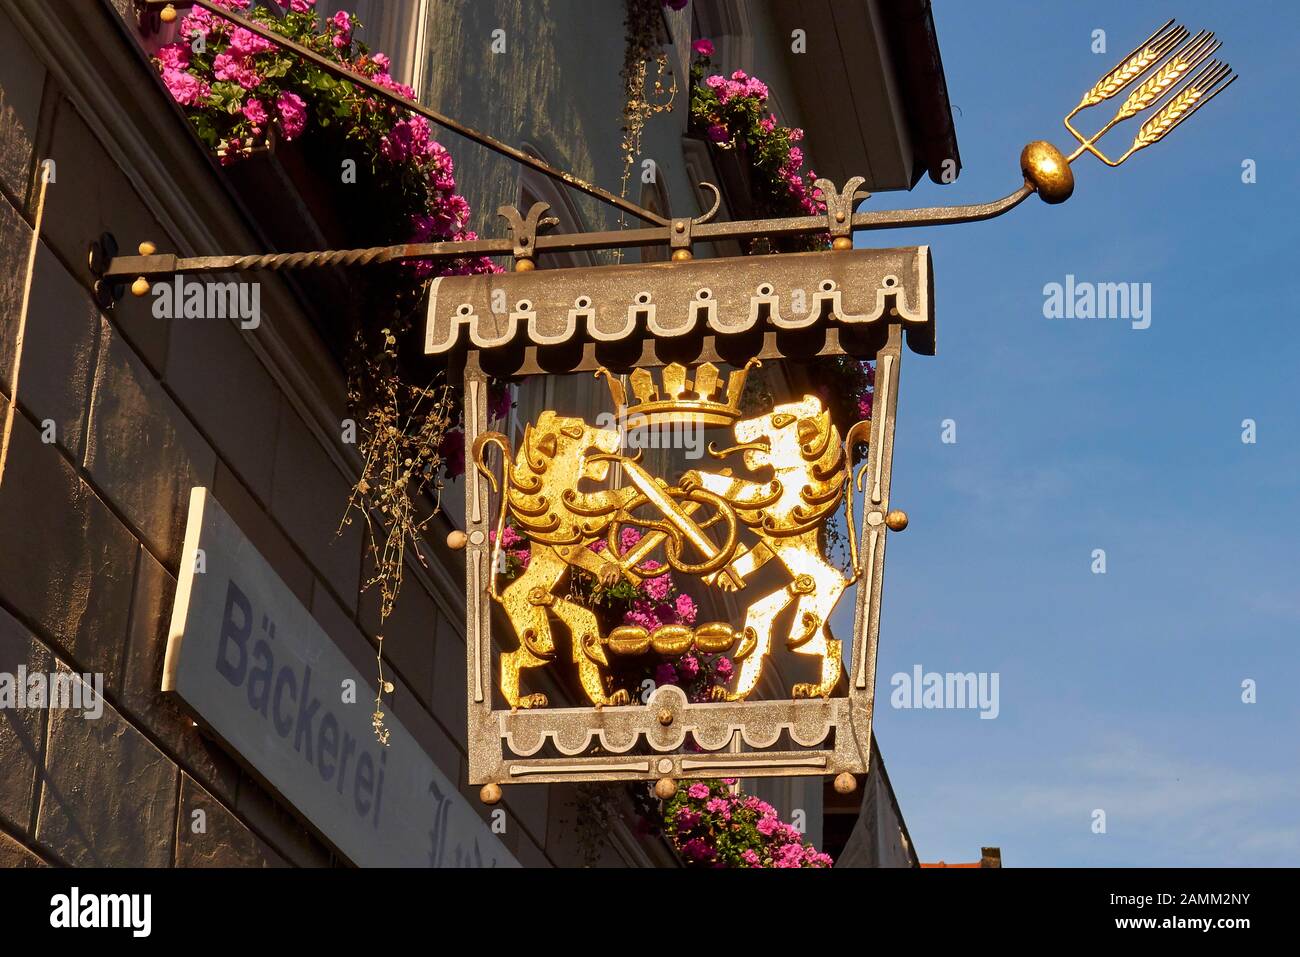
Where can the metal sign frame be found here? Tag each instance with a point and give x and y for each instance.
(862, 303)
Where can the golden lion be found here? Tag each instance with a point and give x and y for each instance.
(802, 447)
(539, 492)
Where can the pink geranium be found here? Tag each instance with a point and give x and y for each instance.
(185, 88)
(237, 69)
(293, 114)
(255, 112)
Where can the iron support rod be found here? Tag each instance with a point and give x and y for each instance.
(152, 267)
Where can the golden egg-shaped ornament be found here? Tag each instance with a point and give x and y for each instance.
(490, 794)
(1048, 171)
(665, 788)
(896, 520)
(845, 783)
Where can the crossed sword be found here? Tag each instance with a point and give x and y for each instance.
(678, 516)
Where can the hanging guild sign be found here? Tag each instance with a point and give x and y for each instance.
(568, 511)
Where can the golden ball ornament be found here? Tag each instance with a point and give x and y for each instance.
(1048, 171)
(896, 520)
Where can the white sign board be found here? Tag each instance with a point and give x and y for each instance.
(249, 660)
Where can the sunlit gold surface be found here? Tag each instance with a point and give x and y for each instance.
(715, 526)
(797, 442)
(1048, 171)
(540, 493)
(1169, 64)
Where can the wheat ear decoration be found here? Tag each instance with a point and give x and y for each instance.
(1199, 91)
(1134, 65)
(1165, 78)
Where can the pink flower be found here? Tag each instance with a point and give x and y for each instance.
(697, 849)
(656, 588)
(685, 608)
(715, 82)
(185, 89)
(255, 112)
(297, 6)
(388, 83)
(719, 806)
(239, 69)
(246, 42)
(665, 674)
(293, 114)
(724, 668)
(628, 538)
(767, 826)
(198, 23)
(750, 857)
(688, 667)
(703, 47)
(687, 819)
(406, 139)
(791, 855)
(717, 133)
(174, 56)
(698, 791)
(381, 61)
(642, 618)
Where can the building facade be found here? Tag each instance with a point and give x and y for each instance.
(120, 416)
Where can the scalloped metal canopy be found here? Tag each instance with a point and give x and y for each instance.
(792, 305)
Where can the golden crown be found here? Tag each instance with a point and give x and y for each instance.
(705, 400)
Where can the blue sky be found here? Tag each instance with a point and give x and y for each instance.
(1119, 691)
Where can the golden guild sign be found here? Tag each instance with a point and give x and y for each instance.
(542, 492)
(586, 512)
